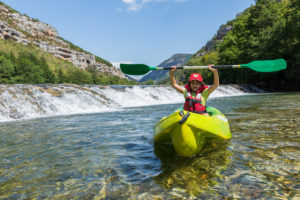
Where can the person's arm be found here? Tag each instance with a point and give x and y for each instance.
(173, 81)
(216, 79)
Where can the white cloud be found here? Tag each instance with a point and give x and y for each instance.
(135, 5)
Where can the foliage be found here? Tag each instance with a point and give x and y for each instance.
(268, 30)
(28, 64)
(148, 82)
(6, 68)
(27, 68)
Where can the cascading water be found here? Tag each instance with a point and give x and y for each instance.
(31, 101)
(111, 155)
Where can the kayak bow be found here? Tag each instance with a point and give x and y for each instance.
(188, 131)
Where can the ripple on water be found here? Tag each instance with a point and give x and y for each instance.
(112, 156)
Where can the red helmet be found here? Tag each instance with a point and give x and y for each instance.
(196, 76)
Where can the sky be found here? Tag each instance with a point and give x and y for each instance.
(134, 31)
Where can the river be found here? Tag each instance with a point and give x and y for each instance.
(96, 154)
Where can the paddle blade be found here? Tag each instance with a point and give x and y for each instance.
(266, 65)
(134, 69)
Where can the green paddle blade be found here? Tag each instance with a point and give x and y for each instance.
(136, 69)
(266, 65)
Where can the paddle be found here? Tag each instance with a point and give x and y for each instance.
(259, 66)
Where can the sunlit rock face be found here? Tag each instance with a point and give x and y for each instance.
(23, 29)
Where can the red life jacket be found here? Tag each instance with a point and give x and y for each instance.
(194, 104)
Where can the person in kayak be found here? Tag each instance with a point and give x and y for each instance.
(195, 91)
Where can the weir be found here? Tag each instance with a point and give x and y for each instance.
(32, 101)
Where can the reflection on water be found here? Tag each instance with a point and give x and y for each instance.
(111, 155)
(195, 175)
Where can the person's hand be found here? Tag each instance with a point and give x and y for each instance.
(173, 69)
(210, 67)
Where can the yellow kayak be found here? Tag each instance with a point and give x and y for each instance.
(188, 131)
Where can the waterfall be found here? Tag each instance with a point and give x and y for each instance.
(31, 101)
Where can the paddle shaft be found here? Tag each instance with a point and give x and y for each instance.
(200, 67)
(258, 66)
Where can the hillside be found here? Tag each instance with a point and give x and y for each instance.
(268, 30)
(22, 36)
(208, 49)
(177, 59)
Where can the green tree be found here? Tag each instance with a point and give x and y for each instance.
(268, 30)
(80, 76)
(148, 82)
(31, 69)
(6, 69)
(47, 73)
(61, 78)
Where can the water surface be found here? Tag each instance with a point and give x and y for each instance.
(111, 155)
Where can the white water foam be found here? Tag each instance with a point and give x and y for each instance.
(31, 101)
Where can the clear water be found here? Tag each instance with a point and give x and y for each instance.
(111, 155)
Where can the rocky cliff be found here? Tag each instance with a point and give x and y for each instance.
(23, 29)
(211, 44)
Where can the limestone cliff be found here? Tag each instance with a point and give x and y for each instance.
(211, 44)
(25, 30)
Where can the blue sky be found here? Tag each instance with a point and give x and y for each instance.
(137, 31)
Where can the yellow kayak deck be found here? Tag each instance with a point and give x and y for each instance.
(189, 137)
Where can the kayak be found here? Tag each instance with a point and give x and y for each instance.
(189, 131)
